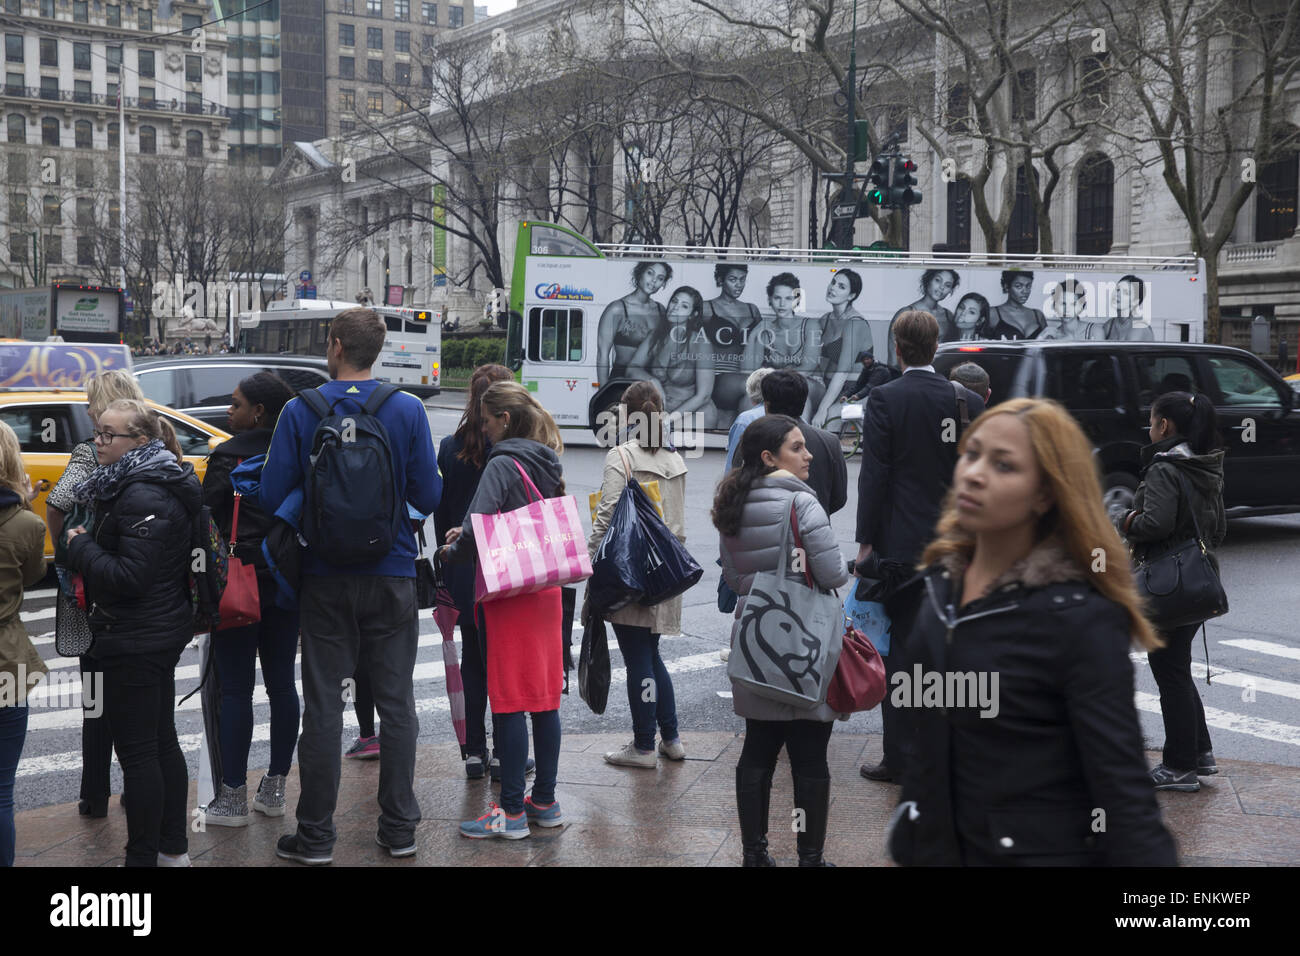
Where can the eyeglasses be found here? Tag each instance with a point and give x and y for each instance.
(110, 437)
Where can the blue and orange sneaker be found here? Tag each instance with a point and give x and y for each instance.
(543, 816)
(496, 823)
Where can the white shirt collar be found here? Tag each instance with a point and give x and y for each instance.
(918, 368)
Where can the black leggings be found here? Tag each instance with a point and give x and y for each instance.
(805, 744)
(1186, 735)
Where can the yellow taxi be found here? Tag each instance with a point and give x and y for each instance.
(49, 423)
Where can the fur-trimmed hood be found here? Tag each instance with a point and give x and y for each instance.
(1048, 563)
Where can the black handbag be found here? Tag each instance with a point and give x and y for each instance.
(1180, 586)
(593, 665)
(426, 580)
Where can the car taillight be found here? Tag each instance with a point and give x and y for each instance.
(970, 348)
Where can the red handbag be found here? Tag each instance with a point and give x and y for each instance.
(859, 680)
(241, 603)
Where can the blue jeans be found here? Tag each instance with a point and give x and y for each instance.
(512, 747)
(13, 731)
(275, 639)
(649, 702)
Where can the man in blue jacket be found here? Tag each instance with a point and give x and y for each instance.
(354, 609)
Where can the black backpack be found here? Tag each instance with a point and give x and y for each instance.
(351, 508)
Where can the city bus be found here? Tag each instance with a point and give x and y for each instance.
(585, 319)
(412, 353)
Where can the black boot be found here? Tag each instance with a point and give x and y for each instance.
(813, 796)
(753, 793)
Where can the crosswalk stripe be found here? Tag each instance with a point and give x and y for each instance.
(37, 615)
(39, 593)
(1265, 647)
(1236, 723)
(1263, 685)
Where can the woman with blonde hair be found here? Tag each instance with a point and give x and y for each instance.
(136, 568)
(22, 564)
(525, 670)
(96, 734)
(1026, 746)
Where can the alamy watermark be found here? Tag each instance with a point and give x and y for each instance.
(946, 689)
(56, 690)
(685, 430)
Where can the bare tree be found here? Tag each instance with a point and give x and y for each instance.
(1210, 77)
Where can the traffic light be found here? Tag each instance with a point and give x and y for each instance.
(903, 192)
(879, 176)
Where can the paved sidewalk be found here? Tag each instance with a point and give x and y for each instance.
(678, 815)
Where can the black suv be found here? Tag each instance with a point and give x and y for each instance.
(1109, 388)
(203, 385)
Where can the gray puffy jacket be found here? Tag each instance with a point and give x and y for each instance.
(756, 548)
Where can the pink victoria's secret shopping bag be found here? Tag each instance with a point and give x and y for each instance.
(538, 546)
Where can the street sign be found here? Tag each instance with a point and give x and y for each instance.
(304, 277)
(844, 210)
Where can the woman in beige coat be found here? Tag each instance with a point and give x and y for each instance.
(638, 628)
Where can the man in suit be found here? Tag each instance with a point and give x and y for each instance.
(909, 450)
(785, 392)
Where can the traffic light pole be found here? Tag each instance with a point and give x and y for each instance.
(844, 210)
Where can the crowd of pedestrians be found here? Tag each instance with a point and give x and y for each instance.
(989, 521)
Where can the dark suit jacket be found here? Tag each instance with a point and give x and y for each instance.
(828, 472)
(906, 464)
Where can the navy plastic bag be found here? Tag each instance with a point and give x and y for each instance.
(668, 567)
(614, 581)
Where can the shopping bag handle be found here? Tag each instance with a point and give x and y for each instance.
(527, 481)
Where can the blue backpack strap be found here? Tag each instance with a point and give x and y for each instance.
(316, 402)
(383, 391)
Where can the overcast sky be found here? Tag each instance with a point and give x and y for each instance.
(495, 6)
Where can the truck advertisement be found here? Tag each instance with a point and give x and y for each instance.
(77, 313)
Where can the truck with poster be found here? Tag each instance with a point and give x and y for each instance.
(586, 319)
(74, 313)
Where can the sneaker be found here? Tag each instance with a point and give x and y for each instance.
(397, 852)
(547, 816)
(494, 768)
(270, 795)
(365, 748)
(724, 654)
(166, 859)
(1205, 765)
(629, 756)
(1183, 781)
(496, 823)
(474, 767)
(289, 847)
(672, 749)
(228, 809)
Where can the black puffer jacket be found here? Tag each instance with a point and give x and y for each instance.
(136, 563)
(1047, 769)
(1162, 513)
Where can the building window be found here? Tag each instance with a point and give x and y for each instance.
(375, 102)
(113, 13)
(80, 56)
(346, 126)
(53, 248)
(47, 9)
(374, 38)
(49, 131)
(347, 67)
(1094, 84)
(114, 58)
(50, 52)
(49, 87)
(375, 71)
(146, 97)
(1094, 206)
(1022, 235)
(114, 135)
(82, 134)
(14, 84)
(426, 77)
(347, 34)
(1275, 199)
(194, 102)
(85, 251)
(455, 17)
(958, 108)
(402, 74)
(18, 209)
(375, 8)
(17, 247)
(110, 96)
(14, 47)
(81, 91)
(269, 155)
(194, 144)
(148, 140)
(16, 126)
(346, 6)
(145, 61)
(50, 214)
(402, 41)
(85, 212)
(86, 174)
(401, 9)
(80, 11)
(429, 13)
(190, 22)
(959, 216)
(193, 69)
(14, 7)
(347, 101)
(1024, 95)
(144, 18)
(17, 168)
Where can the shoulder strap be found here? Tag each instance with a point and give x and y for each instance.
(1191, 506)
(798, 541)
(316, 401)
(527, 481)
(627, 467)
(382, 393)
(962, 410)
(234, 519)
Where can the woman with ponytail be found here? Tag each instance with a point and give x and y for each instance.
(136, 566)
(521, 634)
(751, 511)
(1015, 682)
(1184, 445)
(638, 628)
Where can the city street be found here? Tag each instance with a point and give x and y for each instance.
(1252, 705)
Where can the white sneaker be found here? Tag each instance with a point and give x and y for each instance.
(672, 749)
(166, 860)
(724, 654)
(629, 756)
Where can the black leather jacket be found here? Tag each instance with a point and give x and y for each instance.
(136, 564)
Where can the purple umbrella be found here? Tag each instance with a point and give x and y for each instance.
(445, 613)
